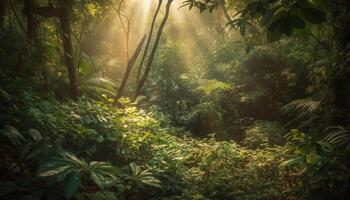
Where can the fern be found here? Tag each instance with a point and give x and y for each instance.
(4, 95)
(11, 133)
(211, 86)
(338, 137)
(99, 81)
(96, 87)
(302, 106)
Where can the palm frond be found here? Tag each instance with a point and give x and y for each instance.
(98, 86)
(337, 137)
(100, 82)
(302, 106)
(89, 89)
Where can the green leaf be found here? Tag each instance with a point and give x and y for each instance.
(150, 180)
(273, 36)
(275, 26)
(305, 149)
(135, 169)
(71, 184)
(98, 179)
(99, 139)
(278, 13)
(297, 22)
(266, 18)
(35, 134)
(242, 30)
(286, 27)
(325, 4)
(312, 158)
(12, 134)
(4, 95)
(293, 162)
(312, 15)
(104, 174)
(55, 171)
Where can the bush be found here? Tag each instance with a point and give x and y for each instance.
(263, 134)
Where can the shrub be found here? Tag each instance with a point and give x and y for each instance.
(263, 134)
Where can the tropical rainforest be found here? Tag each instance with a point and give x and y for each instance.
(175, 99)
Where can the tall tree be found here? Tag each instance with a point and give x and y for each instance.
(3, 6)
(64, 16)
(63, 12)
(340, 16)
(148, 41)
(129, 68)
(31, 25)
(148, 66)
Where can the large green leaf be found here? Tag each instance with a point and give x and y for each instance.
(278, 27)
(55, 171)
(273, 36)
(35, 134)
(293, 162)
(135, 169)
(4, 95)
(297, 22)
(12, 134)
(325, 4)
(150, 180)
(104, 174)
(312, 15)
(71, 184)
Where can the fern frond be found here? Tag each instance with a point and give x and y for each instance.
(337, 136)
(303, 106)
(90, 89)
(97, 86)
(99, 82)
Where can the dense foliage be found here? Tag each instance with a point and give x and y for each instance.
(247, 101)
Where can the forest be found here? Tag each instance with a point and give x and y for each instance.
(175, 99)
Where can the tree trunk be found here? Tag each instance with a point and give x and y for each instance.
(341, 86)
(63, 13)
(64, 18)
(153, 52)
(148, 41)
(31, 26)
(3, 5)
(128, 69)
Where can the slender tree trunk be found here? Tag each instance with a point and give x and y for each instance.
(12, 10)
(64, 18)
(129, 68)
(227, 17)
(63, 13)
(341, 28)
(148, 41)
(153, 52)
(3, 5)
(122, 13)
(31, 26)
